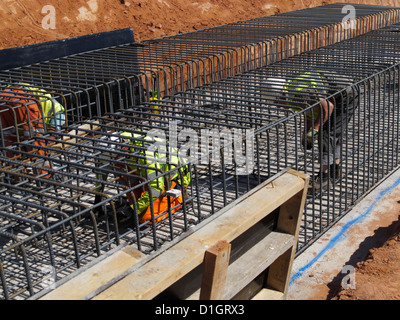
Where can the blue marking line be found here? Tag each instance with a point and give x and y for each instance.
(342, 233)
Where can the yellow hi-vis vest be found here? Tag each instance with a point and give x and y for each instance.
(53, 111)
(308, 85)
(157, 161)
(154, 97)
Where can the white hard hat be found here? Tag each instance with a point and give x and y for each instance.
(275, 83)
(272, 88)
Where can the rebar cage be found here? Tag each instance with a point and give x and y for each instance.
(69, 196)
(94, 83)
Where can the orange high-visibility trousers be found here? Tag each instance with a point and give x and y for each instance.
(23, 113)
(160, 206)
(27, 111)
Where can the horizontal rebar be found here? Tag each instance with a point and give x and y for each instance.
(64, 194)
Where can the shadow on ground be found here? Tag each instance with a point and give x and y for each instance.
(381, 235)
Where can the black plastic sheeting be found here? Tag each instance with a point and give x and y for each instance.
(26, 55)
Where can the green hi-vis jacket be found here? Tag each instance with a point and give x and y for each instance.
(53, 111)
(309, 85)
(156, 160)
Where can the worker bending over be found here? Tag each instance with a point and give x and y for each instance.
(334, 99)
(151, 166)
(27, 112)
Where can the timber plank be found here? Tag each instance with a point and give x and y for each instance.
(269, 294)
(255, 261)
(165, 269)
(95, 277)
(216, 262)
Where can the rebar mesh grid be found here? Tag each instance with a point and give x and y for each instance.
(76, 161)
(94, 83)
(64, 194)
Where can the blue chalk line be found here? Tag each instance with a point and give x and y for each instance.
(342, 233)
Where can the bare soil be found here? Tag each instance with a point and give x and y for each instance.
(21, 20)
(378, 276)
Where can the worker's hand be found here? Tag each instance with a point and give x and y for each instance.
(308, 140)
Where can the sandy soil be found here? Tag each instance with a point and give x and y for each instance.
(21, 23)
(378, 276)
(21, 20)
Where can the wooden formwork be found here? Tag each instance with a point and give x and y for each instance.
(245, 251)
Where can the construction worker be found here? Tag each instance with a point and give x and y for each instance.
(334, 98)
(154, 97)
(25, 112)
(150, 165)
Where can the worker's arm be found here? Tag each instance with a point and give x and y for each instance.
(327, 109)
(157, 188)
(143, 202)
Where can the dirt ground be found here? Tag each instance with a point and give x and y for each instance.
(21, 20)
(378, 276)
(376, 259)
(21, 23)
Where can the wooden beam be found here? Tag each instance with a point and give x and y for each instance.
(279, 272)
(128, 274)
(79, 131)
(269, 294)
(216, 261)
(255, 261)
(290, 211)
(93, 278)
(165, 269)
(289, 222)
